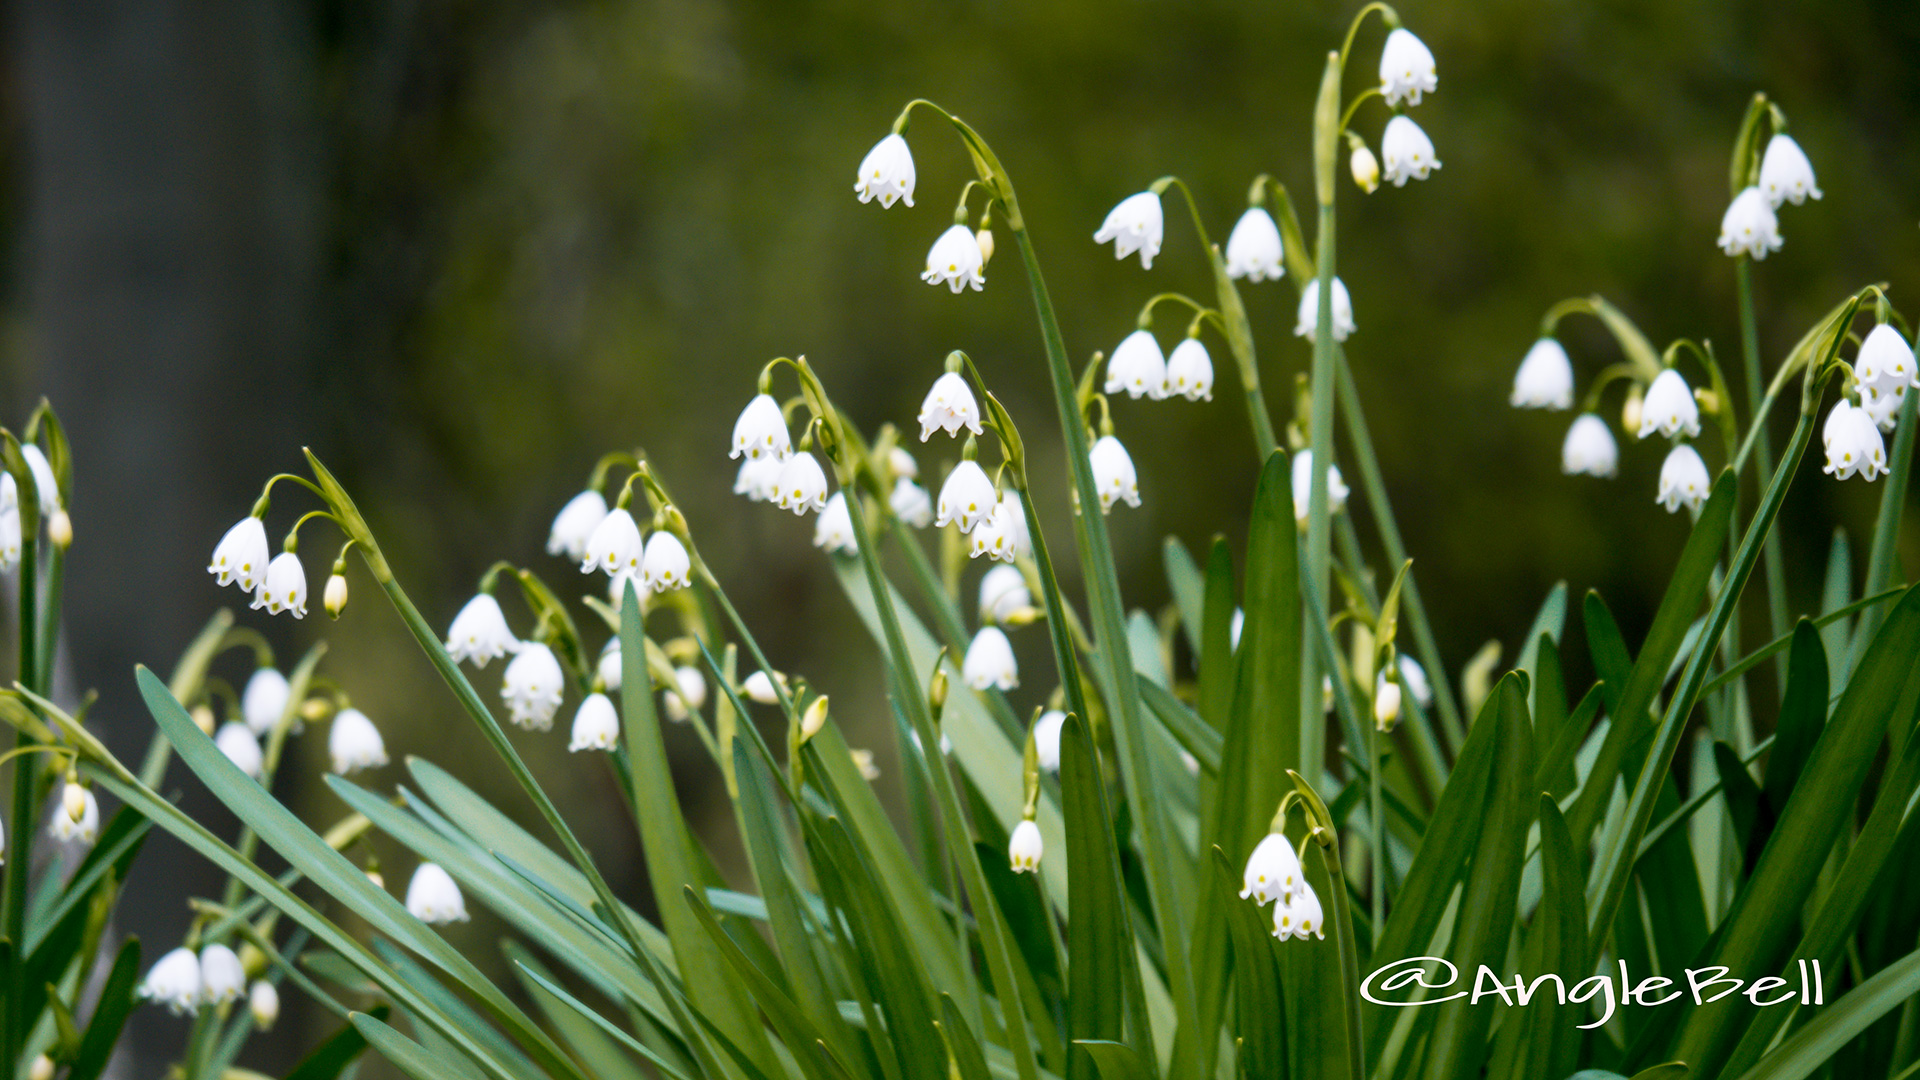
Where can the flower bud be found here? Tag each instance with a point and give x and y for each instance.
(814, 718)
(203, 719)
(378, 881)
(335, 598)
(937, 692)
(252, 960)
(1386, 704)
(41, 1069)
(1366, 168)
(985, 239)
(60, 529)
(263, 1001)
(74, 799)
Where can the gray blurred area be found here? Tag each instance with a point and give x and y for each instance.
(461, 249)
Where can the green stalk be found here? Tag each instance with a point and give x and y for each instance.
(1884, 560)
(26, 775)
(1376, 811)
(1319, 536)
(1763, 460)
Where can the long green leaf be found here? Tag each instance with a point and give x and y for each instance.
(1100, 993)
(599, 1054)
(408, 1056)
(343, 1048)
(1117, 1061)
(1839, 1022)
(109, 1016)
(1260, 1021)
(793, 1027)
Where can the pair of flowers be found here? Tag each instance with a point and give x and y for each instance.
(1750, 226)
(534, 681)
(183, 981)
(279, 584)
(958, 258)
(773, 472)
(610, 541)
(1273, 874)
(47, 495)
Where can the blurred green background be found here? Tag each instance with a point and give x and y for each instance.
(461, 249)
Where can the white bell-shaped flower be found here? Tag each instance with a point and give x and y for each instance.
(1337, 490)
(1589, 448)
(264, 701)
(434, 897)
(222, 979)
(1137, 224)
(1406, 68)
(1854, 445)
(759, 478)
(1003, 591)
(241, 556)
(1683, 479)
(1190, 371)
(950, 405)
(833, 529)
(615, 547)
(263, 1001)
(989, 661)
(1299, 915)
(1386, 702)
(1003, 535)
(1836, 419)
(1885, 361)
(1669, 408)
(1785, 172)
(1307, 321)
(761, 430)
(966, 498)
(665, 566)
(595, 724)
(691, 694)
(1749, 226)
(1545, 378)
(911, 503)
(1413, 678)
(802, 485)
(989, 538)
(9, 535)
(1883, 406)
(1405, 152)
(532, 686)
(479, 632)
(44, 484)
(78, 819)
(1046, 739)
(1113, 474)
(285, 587)
(575, 523)
(1254, 250)
(237, 741)
(1138, 367)
(174, 981)
(608, 667)
(956, 261)
(354, 743)
(760, 690)
(1272, 871)
(1364, 167)
(886, 173)
(1025, 848)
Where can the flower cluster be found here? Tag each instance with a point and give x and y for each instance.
(1750, 226)
(1273, 874)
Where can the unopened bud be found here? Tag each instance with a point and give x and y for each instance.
(1366, 168)
(378, 881)
(264, 1002)
(41, 1069)
(60, 529)
(203, 718)
(1630, 412)
(315, 709)
(937, 693)
(74, 800)
(1708, 400)
(985, 239)
(1386, 705)
(252, 960)
(336, 595)
(814, 719)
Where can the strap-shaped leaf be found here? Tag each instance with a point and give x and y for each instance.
(109, 1016)
(342, 1048)
(1103, 979)
(1259, 1025)
(1840, 1021)
(408, 1056)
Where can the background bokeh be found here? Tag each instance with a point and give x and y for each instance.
(462, 248)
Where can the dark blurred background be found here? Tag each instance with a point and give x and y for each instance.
(461, 249)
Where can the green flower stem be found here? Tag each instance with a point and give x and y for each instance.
(1326, 836)
(1376, 812)
(1375, 486)
(1763, 460)
(26, 770)
(1319, 532)
(1884, 560)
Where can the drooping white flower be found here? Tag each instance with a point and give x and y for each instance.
(285, 587)
(1785, 172)
(1406, 68)
(1337, 490)
(1589, 448)
(1836, 417)
(1854, 445)
(9, 534)
(760, 690)
(615, 547)
(950, 405)
(1683, 479)
(1413, 678)
(902, 463)
(1113, 474)
(1545, 378)
(595, 724)
(1190, 371)
(1254, 250)
(690, 695)
(334, 598)
(911, 503)
(1405, 152)
(1386, 702)
(575, 523)
(886, 173)
(354, 743)
(433, 896)
(1003, 534)
(1365, 168)
(479, 632)
(1272, 871)
(241, 747)
(1669, 408)
(1883, 406)
(1137, 224)
(1138, 367)
(263, 1001)
(241, 556)
(264, 701)
(1749, 226)
(532, 686)
(1307, 322)
(990, 662)
(45, 487)
(966, 498)
(1025, 848)
(78, 818)
(1299, 915)
(955, 261)
(802, 485)
(1885, 361)
(174, 981)
(1003, 591)
(761, 430)
(833, 529)
(759, 478)
(608, 668)
(665, 566)
(222, 979)
(1046, 739)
